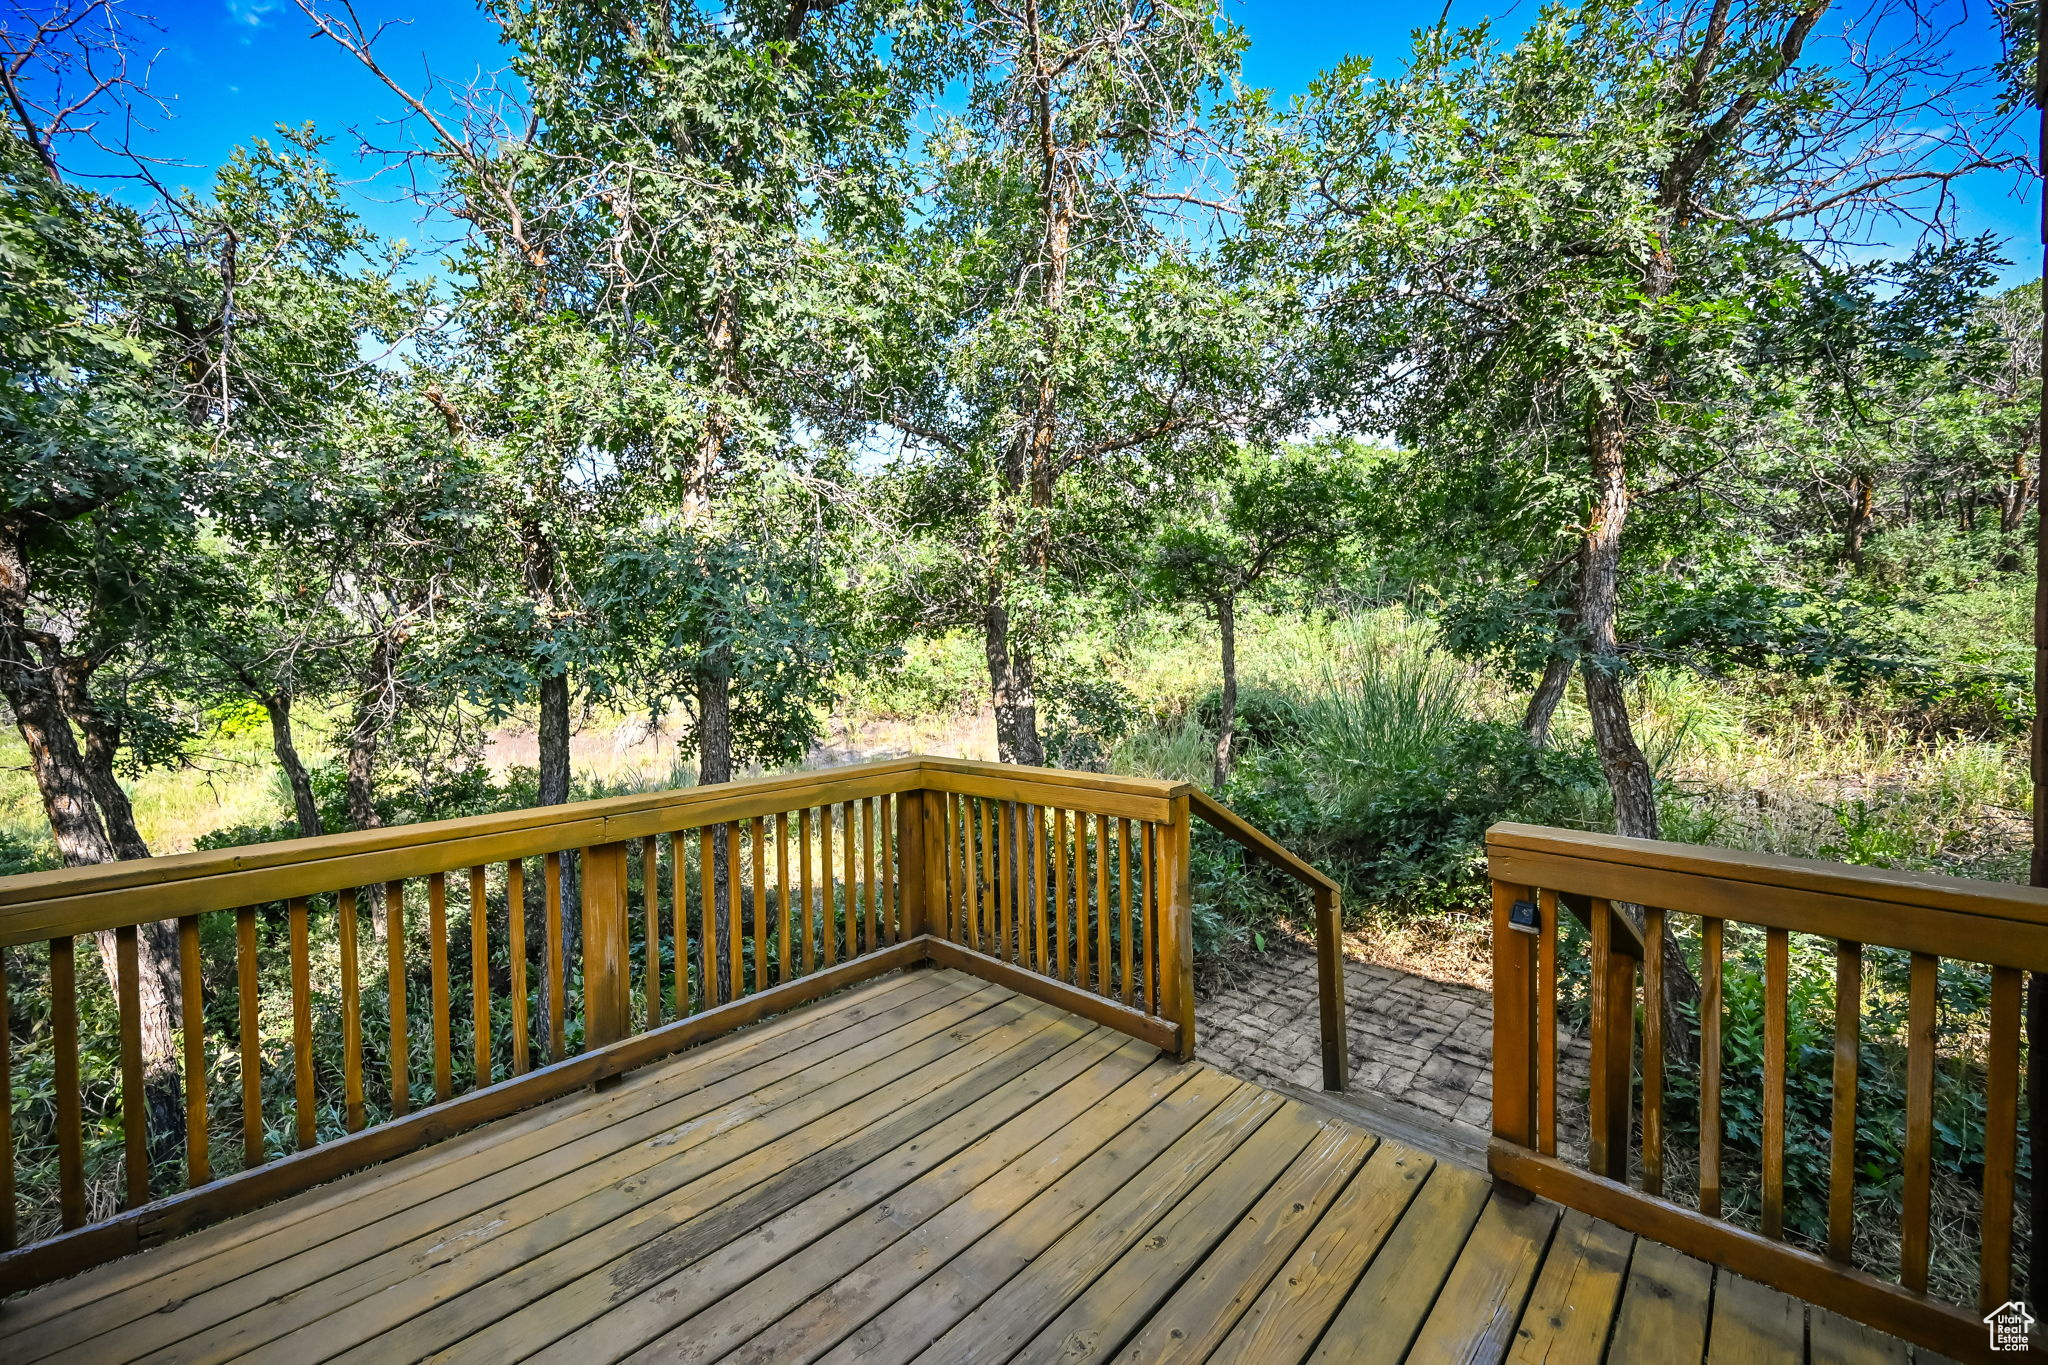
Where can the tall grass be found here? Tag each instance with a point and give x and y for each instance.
(1392, 710)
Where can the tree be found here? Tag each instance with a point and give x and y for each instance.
(1564, 262)
(1290, 511)
(95, 470)
(1065, 337)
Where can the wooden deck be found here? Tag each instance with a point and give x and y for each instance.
(931, 1168)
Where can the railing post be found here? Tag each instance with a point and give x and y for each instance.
(1330, 987)
(1514, 1008)
(1612, 987)
(607, 968)
(913, 879)
(1177, 958)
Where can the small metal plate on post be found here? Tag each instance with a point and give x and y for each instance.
(1522, 915)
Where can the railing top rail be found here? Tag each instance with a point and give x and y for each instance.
(1930, 890)
(578, 815)
(77, 900)
(1230, 823)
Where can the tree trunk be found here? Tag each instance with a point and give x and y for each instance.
(1226, 720)
(366, 729)
(1010, 676)
(1621, 758)
(1599, 585)
(714, 716)
(1862, 503)
(2019, 494)
(71, 788)
(1542, 708)
(541, 576)
(30, 689)
(278, 706)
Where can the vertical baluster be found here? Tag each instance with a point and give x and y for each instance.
(678, 901)
(735, 928)
(1140, 854)
(1653, 1050)
(760, 878)
(437, 965)
(849, 849)
(515, 915)
(650, 907)
(1710, 1067)
(1152, 917)
(394, 960)
(827, 926)
(8, 1228)
(1059, 893)
(551, 954)
(707, 918)
(985, 887)
(870, 892)
(192, 997)
(252, 1046)
(2001, 1140)
(907, 887)
(1842, 1124)
(134, 1103)
(304, 1114)
(995, 852)
(1546, 1022)
(1039, 868)
(480, 974)
(1776, 970)
(980, 873)
(1123, 905)
(788, 920)
(891, 853)
(1025, 861)
(964, 866)
(353, 1114)
(949, 868)
(1607, 1156)
(1081, 883)
(805, 819)
(64, 1052)
(1917, 1197)
(1103, 970)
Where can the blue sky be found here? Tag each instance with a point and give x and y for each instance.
(231, 69)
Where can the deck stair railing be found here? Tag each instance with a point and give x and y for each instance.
(1737, 920)
(432, 989)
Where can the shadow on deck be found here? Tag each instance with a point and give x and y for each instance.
(925, 1167)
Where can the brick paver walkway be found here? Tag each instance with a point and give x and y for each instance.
(1421, 1042)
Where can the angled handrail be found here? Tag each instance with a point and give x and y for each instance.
(1329, 906)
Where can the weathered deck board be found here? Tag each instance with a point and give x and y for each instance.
(925, 1168)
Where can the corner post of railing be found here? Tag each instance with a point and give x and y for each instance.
(1330, 987)
(1514, 1012)
(607, 967)
(912, 874)
(1177, 961)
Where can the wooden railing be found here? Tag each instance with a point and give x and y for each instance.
(1329, 921)
(432, 987)
(1657, 917)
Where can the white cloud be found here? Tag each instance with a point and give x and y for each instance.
(250, 12)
